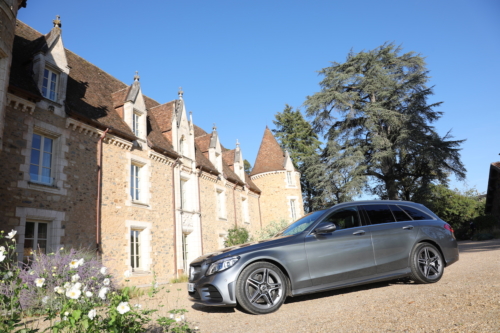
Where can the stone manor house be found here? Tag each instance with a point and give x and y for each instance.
(89, 161)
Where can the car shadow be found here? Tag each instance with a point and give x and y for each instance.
(344, 291)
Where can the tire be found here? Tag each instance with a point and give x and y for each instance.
(258, 294)
(426, 263)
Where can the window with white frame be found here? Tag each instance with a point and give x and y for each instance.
(244, 210)
(135, 182)
(49, 84)
(135, 249)
(221, 204)
(184, 193)
(293, 209)
(136, 117)
(41, 159)
(289, 178)
(36, 238)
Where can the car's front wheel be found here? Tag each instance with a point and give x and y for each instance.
(261, 288)
(427, 264)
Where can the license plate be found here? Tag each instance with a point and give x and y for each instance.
(190, 287)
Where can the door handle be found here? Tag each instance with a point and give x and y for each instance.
(359, 233)
(408, 227)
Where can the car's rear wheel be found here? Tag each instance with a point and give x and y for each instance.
(426, 263)
(261, 288)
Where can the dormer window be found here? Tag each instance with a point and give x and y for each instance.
(136, 123)
(49, 84)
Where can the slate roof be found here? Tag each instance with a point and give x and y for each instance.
(228, 157)
(97, 98)
(270, 156)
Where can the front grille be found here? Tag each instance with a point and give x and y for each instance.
(194, 273)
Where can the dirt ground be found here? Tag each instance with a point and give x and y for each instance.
(466, 299)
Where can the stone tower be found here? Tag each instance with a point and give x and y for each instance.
(275, 175)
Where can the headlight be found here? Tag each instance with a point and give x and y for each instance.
(221, 265)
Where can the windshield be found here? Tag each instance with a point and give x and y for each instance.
(301, 224)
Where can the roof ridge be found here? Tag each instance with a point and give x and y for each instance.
(159, 103)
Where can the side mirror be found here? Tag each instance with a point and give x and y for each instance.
(325, 228)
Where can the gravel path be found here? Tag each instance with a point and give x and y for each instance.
(467, 299)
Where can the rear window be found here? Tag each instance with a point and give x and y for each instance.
(379, 214)
(416, 214)
(399, 214)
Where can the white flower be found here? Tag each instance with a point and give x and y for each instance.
(74, 263)
(138, 306)
(92, 314)
(88, 294)
(75, 278)
(45, 299)
(11, 234)
(32, 272)
(73, 293)
(103, 270)
(2, 256)
(77, 285)
(103, 292)
(39, 282)
(7, 275)
(67, 285)
(59, 290)
(127, 273)
(105, 282)
(80, 262)
(123, 307)
(54, 268)
(62, 248)
(2, 249)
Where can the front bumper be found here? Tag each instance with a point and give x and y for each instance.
(215, 290)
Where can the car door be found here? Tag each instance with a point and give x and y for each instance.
(393, 233)
(343, 255)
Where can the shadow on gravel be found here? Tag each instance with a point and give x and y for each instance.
(344, 291)
(479, 246)
(212, 309)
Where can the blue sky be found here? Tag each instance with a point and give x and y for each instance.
(239, 62)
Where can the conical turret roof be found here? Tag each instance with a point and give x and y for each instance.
(270, 157)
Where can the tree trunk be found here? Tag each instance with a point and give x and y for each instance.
(392, 189)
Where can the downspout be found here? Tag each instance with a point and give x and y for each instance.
(234, 202)
(175, 224)
(199, 207)
(260, 214)
(98, 204)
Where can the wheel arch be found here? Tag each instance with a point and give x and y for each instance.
(277, 264)
(430, 241)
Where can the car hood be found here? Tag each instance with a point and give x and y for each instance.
(241, 249)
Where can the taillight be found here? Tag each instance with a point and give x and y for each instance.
(448, 227)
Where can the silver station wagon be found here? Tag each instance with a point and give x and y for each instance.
(346, 245)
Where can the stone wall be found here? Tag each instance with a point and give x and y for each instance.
(69, 205)
(276, 195)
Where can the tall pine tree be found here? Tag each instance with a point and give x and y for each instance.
(296, 135)
(374, 111)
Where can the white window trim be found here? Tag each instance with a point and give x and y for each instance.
(146, 248)
(50, 71)
(55, 230)
(295, 199)
(59, 161)
(145, 181)
(136, 123)
(293, 183)
(245, 212)
(221, 211)
(41, 158)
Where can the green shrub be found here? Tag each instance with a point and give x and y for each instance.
(271, 230)
(237, 236)
(483, 236)
(485, 222)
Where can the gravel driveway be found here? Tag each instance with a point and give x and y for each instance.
(467, 299)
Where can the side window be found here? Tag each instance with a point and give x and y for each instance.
(416, 214)
(379, 214)
(345, 218)
(399, 214)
